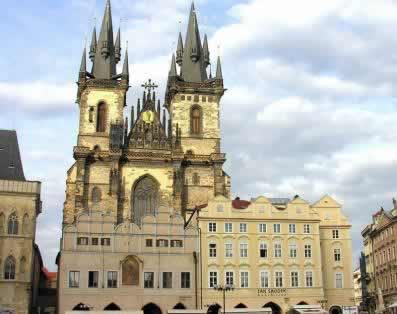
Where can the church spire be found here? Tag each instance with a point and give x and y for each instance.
(179, 50)
(126, 71)
(94, 44)
(193, 64)
(206, 52)
(219, 75)
(104, 64)
(173, 72)
(83, 65)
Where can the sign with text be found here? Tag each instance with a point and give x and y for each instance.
(263, 292)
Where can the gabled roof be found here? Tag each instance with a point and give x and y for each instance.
(10, 158)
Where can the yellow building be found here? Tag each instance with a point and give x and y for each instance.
(276, 253)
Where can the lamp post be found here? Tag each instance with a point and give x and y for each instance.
(224, 289)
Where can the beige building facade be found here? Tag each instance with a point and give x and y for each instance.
(277, 253)
(20, 204)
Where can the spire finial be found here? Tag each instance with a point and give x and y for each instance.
(117, 47)
(179, 50)
(126, 71)
(219, 75)
(173, 72)
(206, 51)
(83, 65)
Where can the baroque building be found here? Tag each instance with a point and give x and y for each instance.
(380, 238)
(20, 204)
(134, 180)
(277, 253)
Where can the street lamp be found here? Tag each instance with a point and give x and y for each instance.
(224, 289)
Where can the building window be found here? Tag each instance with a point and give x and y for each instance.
(277, 250)
(82, 241)
(244, 279)
(306, 228)
(93, 279)
(213, 279)
(148, 280)
(196, 179)
(101, 117)
(292, 250)
(335, 234)
(243, 250)
(243, 227)
(262, 228)
(149, 242)
(279, 279)
(94, 241)
(264, 279)
(9, 268)
(292, 228)
(308, 251)
(276, 228)
(162, 243)
(228, 227)
(176, 243)
(195, 118)
(228, 250)
(309, 279)
(112, 279)
(337, 255)
(130, 272)
(212, 227)
(74, 279)
(263, 250)
(185, 280)
(229, 278)
(96, 195)
(13, 224)
(339, 280)
(105, 241)
(212, 250)
(294, 279)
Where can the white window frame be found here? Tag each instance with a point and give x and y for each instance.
(69, 281)
(308, 250)
(227, 225)
(265, 248)
(275, 279)
(292, 247)
(243, 227)
(341, 280)
(247, 278)
(307, 229)
(117, 278)
(306, 278)
(277, 228)
(210, 273)
(212, 227)
(243, 250)
(227, 276)
(292, 279)
(212, 250)
(292, 228)
(262, 227)
(337, 253)
(277, 251)
(228, 252)
(267, 276)
(335, 234)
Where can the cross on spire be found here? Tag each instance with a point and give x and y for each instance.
(149, 86)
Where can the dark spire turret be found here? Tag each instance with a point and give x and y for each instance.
(173, 72)
(219, 75)
(193, 64)
(83, 65)
(132, 116)
(179, 50)
(104, 64)
(94, 44)
(138, 107)
(125, 75)
(206, 52)
(117, 47)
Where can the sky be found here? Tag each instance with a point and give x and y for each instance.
(310, 107)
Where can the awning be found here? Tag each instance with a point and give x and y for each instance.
(309, 309)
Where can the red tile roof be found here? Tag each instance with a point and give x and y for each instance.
(50, 275)
(240, 204)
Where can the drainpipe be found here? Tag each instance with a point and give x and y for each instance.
(195, 278)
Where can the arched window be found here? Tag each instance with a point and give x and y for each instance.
(195, 118)
(145, 197)
(25, 224)
(112, 307)
(96, 195)
(101, 117)
(9, 268)
(130, 273)
(2, 222)
(13, 224)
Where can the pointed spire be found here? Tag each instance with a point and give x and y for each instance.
(158, 108)
(126, 71)
(117, 47)
(206, 52)
(125, 129)
(179, 50)
(132, 117)
(164, 119)
(219, 75)
(193, 66)
(94, 44)
(83, 65)
(104, 64)
(138, 111)
(173, 72)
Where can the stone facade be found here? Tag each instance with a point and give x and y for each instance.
(279, 253)
(20, 205)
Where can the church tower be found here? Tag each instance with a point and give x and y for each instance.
(193, 99)
(163, 157)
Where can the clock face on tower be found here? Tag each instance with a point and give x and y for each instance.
(148, 116)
